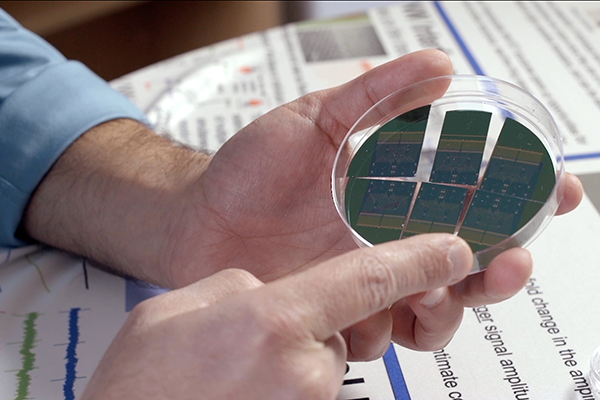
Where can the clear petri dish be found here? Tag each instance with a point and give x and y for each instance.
(464, 154)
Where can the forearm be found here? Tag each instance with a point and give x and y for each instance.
(116, 196)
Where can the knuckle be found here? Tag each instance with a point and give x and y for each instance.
(145, 312)
(315, 381)
(383, 273)
(372, 352)
(145, 307)
(432, 343)
(369, 340)
(368, 88)
(427, 341)
(430, 258)
(379, 353)
(278, 324)
(312, 101)
(377, 281)
(240, 278)
(431, 338)
(306, 106)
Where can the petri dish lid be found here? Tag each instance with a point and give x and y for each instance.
(469, 155)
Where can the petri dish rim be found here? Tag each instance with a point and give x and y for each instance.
(504, 97)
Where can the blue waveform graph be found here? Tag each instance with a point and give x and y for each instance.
(71, 354)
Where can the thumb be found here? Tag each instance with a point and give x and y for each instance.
(348, 289)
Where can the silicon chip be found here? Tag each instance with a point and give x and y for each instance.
(460, 150)
(395, 149)
(381, 199)
(378, 208)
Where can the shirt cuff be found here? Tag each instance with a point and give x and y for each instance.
(38, 121)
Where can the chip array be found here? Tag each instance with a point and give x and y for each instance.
(385, 201)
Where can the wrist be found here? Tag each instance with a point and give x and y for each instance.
(115, 196)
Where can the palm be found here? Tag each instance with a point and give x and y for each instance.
(268, 198)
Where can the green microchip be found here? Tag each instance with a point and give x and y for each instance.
(518, 181)
(394, 149)
(460, 150)
(385, 202)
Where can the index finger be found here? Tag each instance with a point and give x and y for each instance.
(347, 289)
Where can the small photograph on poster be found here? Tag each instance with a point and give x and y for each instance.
(339, 39)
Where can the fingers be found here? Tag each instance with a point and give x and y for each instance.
(350, 288)
(369, 339)
(505, 276)
(427, 321)
(573, 193)
(422, 327)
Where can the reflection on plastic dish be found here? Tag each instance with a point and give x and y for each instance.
(468, 155)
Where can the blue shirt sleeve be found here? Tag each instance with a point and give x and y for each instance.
(46, 103)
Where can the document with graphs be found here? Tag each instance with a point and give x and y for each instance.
(58, 313)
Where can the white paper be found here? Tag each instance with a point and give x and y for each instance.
(58, 314)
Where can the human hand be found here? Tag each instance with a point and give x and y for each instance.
(264, 204)
(131, 200)
(229, 336)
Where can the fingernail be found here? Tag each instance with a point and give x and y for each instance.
(433, 297)
(461, 259)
